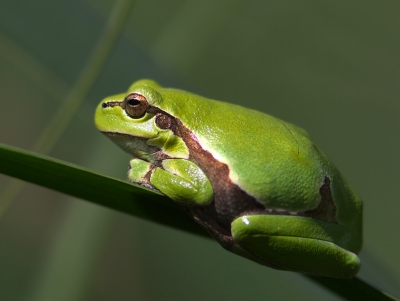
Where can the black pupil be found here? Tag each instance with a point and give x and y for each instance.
(133, 102)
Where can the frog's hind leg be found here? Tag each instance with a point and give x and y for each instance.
(297, 243)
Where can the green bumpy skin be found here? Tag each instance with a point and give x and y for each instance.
(257, 184)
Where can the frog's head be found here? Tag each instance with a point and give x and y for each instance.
(137, 123)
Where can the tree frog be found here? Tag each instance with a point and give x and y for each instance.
(257, 184)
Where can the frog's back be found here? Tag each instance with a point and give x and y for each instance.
(268, 158)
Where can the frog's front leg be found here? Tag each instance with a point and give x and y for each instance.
(297, 243)
(179, 179)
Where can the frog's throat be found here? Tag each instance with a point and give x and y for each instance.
(138, 147)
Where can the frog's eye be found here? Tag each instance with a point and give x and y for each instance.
(135, 105)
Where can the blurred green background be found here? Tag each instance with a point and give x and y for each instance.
(331, 67)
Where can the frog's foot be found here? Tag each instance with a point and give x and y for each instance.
(140, 171)
(181, 180)
(297, 243)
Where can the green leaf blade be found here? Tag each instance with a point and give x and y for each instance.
(84, 184)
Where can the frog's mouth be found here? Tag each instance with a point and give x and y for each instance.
(138, 147)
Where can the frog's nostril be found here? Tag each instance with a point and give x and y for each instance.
(104, 105)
